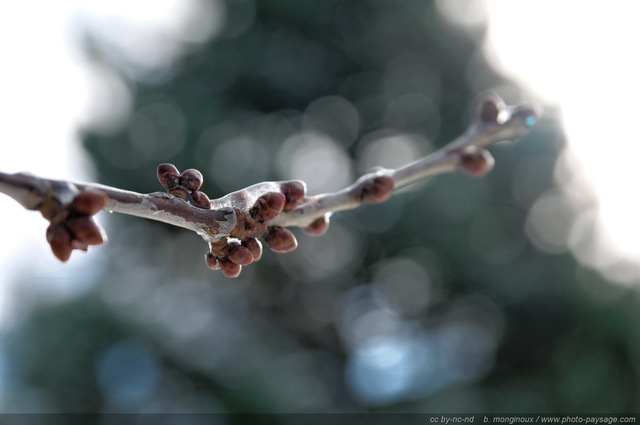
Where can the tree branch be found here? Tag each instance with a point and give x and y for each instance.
(232, 224)
(494, 121)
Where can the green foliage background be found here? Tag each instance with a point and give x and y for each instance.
(473, 317)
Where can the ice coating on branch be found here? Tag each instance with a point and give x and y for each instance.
(252, 208)
(232, 224)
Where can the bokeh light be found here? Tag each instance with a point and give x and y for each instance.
(127, 374)
(457, 295)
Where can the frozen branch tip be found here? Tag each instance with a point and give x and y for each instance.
(233, 225)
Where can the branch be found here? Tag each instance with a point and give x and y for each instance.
(231, 225)
(494, 121)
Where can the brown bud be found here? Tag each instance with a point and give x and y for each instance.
(268, 206)
(294, 192)
(89, 202)
(86, 230)
(489, 108)
(168, 175)
(255, 247)
(280, 239)
(376, 189)
(211, 261)
(192, 179)
(240, 255)
(476, 161)
(201, 199)
(229, 268)
(319, 226)
(60, 240)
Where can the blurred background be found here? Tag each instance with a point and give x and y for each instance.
(514, 293)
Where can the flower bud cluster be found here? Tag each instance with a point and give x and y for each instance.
(72, 226)
(242, 247)
(183, 185)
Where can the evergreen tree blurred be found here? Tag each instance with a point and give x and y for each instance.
(435, 301)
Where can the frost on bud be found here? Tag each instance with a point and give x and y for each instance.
(476, 161)
(60, 240)
(319, 226)
(89, 202)
(255, 247)
(294, 192)
(212, 261)
(489, 108)
(86, 231)
(280, 240)
(201, 199)
(168, 175)
(191, 179)
(268, 206)
(229, 268)
(240, 255)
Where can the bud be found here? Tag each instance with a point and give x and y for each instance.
(489, 108)
(211, 261)
(268, 206)
(318, 226)
(86, 230)
(376, 189)
(89, 202)
(255, 247)
(476, 161)
(229, 268)
(168, 175)
(192, 179)
(201, 199)
(280, 239)
(294, 192)
(241, 255)
(60, 240)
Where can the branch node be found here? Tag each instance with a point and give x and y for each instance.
(476, 161)
(70, 212)
(374, 188)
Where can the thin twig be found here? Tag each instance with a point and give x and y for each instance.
(232, 223)
(504, 123)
